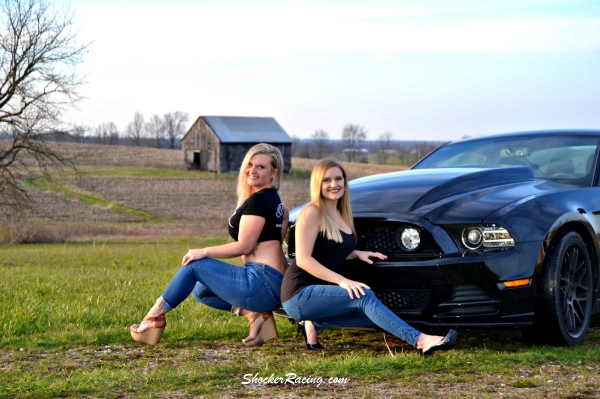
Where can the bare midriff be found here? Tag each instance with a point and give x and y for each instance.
(269, 253)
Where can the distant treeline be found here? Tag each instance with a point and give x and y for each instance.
(70, 137)
(401, 152)
(388, 152)
(372, 146)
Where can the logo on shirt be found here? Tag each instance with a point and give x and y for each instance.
(279, 212)
(229, 220)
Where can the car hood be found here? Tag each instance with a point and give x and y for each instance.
(454, 195)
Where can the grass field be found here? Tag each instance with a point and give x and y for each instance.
(116, 232)
(67, 309)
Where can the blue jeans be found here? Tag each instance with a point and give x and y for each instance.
(221, 285)
(330, 306)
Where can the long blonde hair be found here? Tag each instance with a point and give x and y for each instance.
(328, 226)
(244, 190)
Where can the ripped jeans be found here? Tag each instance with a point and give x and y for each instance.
(221, 285)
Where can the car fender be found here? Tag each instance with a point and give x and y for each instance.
(553, 214)
(540, 216)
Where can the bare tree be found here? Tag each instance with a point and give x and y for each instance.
(135, 129)
(156, 129)
(385, 147)
(321, 144)
(295, 145)
(107, 133)
(113, 133)
(80, 133)
(174, 123)
(352, 136)
(102, 133)
(39, 56)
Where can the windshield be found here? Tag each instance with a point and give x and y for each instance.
(567, 159)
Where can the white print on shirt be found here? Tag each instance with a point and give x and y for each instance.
(229, 220)
(279, 212)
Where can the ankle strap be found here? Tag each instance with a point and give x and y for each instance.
(154, 318)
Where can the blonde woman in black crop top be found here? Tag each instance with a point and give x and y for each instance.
(257, 227)
(314, 287)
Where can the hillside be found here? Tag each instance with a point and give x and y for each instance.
(123, 191)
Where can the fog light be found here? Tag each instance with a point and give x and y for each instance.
(410, 238)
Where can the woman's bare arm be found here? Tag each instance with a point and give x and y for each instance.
(307, 230)
(250, 229)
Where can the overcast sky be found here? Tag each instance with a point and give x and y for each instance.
(426, 70)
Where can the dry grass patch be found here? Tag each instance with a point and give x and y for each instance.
(139, 178)
(354, 170)
(183, 199)
(118, 155)
(47, 206)
(15, 232)
(295, 192)
(186, 199)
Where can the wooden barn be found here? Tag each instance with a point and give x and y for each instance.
(219, 143)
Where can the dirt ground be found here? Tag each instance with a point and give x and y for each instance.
(548, 381)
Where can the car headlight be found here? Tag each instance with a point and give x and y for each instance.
(472, 238)
(409, 238)
(487, 237)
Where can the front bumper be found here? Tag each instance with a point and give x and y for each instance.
(458, 291)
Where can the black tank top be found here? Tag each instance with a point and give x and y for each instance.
(329, 253)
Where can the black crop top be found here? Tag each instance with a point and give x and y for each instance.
(329, 253)
(266, 204)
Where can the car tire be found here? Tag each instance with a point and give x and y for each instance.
(565, 298)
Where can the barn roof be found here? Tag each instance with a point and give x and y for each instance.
(238, 129)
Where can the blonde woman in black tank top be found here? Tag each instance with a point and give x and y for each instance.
(314, 287)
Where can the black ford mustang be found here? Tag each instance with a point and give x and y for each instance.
(497, 231)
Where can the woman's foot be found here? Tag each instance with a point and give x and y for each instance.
(262, 328)
(255, 320)
(151, 328)
(428, 344)
(309, 333)
(425, 340)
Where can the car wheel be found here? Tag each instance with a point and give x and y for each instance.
(565, 300)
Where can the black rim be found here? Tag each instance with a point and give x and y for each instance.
(574, 289)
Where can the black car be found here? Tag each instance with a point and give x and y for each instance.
(499, 231)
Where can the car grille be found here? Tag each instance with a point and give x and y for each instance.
(468, 300)
(404, 301)
(382, 238)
